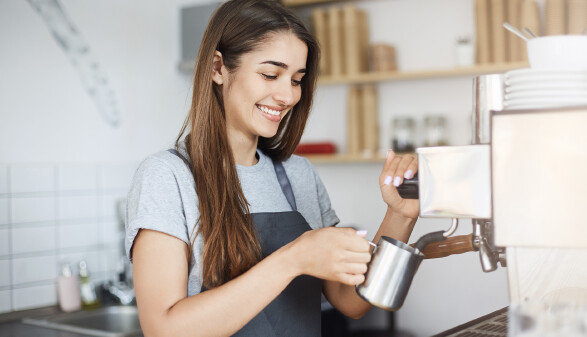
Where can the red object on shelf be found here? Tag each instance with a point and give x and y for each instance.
(316, 148)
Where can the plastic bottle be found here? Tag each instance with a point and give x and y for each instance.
(88, 291)
(68, 290)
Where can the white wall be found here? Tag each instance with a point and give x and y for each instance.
(47, 119)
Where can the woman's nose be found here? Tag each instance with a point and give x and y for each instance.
(284, 93)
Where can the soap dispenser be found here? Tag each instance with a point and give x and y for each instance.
(68, 290)
(88, 291)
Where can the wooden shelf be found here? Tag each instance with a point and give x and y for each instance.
(342, 159)
(412, 75)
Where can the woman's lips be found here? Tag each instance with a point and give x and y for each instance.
(269, 114)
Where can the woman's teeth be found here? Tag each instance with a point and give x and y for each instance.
(269, 111)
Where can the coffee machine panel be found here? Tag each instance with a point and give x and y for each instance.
(539, 177)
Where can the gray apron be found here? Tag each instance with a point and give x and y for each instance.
(296, 311)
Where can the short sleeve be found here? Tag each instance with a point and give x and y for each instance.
(329, 217)
(154, 202)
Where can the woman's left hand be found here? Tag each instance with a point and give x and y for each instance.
(395, 170)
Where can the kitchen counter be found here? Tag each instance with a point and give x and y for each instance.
(11, 324)
(494, 324)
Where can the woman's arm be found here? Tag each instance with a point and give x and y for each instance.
(160, 270)
(398, 223)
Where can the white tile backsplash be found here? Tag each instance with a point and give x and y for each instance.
(34, 297)
(4, 273)
(50, 213)
(3, 179)
(77, 178)
(5, 305)
(95, 260)
(78, 235)
(78, 207)
(33, 239)
(33, 269)
(33, 209)
(116, 176)
(3, 211)
(4, 242)
(32, 178)
(111, 232)
(109, 204)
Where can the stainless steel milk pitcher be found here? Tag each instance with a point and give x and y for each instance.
(392, 269)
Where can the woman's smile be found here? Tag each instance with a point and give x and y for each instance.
(273, 114)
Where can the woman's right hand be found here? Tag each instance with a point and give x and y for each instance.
(335, 254)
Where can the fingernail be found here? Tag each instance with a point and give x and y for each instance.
(387, 180)
(397, 181)
(408, 174)
(388, 152)
(362, 232)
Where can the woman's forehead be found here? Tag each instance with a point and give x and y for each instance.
(283, 47)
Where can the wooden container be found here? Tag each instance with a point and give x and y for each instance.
(352, 44)
(363, 40)
(320, 27)
(515, 44)
(577, 16)
(531, 19)
(370, 120)
(555, 17)
(336, 42)
(498, 33)
(483, 32)
(354, 125)
(383, 58)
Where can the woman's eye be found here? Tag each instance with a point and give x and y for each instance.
(269, 77)
(296, 83)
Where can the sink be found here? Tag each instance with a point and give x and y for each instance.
(113, 321)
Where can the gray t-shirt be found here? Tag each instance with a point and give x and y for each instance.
(163, 197)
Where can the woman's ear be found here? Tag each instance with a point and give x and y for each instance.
(218, 67)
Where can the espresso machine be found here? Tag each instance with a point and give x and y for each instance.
(523, 184)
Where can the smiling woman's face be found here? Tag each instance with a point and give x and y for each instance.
(264, 88)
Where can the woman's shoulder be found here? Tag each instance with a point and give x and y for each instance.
(299, 162)
(164, 160)
(298, 165)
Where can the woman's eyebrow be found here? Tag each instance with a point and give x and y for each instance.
(282, 65)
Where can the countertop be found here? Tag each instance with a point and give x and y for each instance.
(11, 324)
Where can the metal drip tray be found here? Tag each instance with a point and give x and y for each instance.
(114, 321)
(492, 325)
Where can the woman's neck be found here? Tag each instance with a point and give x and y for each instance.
(244, 149)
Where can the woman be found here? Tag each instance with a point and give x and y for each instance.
(229, 233)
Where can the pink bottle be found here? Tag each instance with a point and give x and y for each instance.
(68, 290)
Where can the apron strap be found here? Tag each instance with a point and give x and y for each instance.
(279, 171)
(284, 183)
(174, 151)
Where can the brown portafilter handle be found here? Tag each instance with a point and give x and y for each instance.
(452, 245)
(409, 188)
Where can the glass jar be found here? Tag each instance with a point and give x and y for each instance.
(435, 131)
(403, 132)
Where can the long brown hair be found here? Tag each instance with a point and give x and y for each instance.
(237, 27)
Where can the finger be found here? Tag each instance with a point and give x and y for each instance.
(412, 169)
(357, 257)
(351, 279)
(389, 168)
(401, 169)
(355, 268)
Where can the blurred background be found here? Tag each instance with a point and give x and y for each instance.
(90, 88)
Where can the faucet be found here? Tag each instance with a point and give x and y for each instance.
(121, 290)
